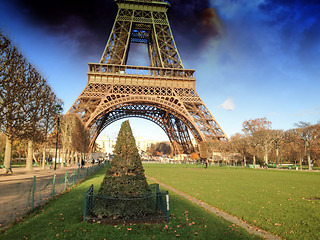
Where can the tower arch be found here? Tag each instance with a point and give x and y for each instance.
(163, 92)
(168, 114)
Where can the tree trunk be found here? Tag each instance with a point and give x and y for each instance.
(34, 158)
(277, 157)
(59, 154)
(44, 157)
(72, 158)
(307, 151)
(309, 162)
(266, 156)
(67, 157)
(76, 157)
(254, 161)
(245, 161)
(29, 160)
(63, 158)
(7, 156)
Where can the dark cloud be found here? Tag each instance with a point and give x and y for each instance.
(85, 23)
(210, 23)
(88, 23)
(193, 22)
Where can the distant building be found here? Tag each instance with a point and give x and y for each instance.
(143, 144)
(106, 144)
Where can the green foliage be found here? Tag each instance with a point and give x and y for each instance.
(125, 179)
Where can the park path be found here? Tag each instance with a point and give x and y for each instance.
(15, 190)
(251, 229)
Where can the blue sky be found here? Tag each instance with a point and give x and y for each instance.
(257, 58)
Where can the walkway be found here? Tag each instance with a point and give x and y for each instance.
(15, 190)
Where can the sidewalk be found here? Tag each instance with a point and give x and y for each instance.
(20, 173)
(19, 193)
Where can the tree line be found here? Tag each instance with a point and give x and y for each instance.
(29, 110)
(259, 143)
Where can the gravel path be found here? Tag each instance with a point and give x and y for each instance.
(15, 190)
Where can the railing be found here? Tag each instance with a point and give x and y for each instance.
(153, 207)
(26, 195)
(140, 70)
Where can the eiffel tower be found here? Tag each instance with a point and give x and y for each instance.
(163, 92)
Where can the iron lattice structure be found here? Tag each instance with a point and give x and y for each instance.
(163, 92)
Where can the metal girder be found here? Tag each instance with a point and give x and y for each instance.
(142, 25)
(176, 130)
(163, 93)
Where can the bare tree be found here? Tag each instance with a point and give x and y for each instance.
(278, 136)
(240, 145)
(163, 147)
(292, 146)
(24, 99)
(75, 136)
(12, 70)
(52, 107)
(222, 147)
(308, 134)
(255, 129)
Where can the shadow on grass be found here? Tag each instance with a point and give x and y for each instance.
(62, 219)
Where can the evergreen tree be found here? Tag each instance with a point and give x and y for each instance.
(124, 188)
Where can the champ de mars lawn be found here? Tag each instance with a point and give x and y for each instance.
(61, 219)
(283, 202)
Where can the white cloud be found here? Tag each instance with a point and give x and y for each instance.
(228, 104)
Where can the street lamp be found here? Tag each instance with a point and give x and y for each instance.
(59, 109)
(55, 159)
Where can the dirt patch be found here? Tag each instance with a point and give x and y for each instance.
(151, 219)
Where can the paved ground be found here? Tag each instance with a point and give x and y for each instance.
(16, 188)
(251, 229)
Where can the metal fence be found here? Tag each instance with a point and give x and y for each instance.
(25, 195)
(153, 207)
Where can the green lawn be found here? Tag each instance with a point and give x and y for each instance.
(286, 203)
(61, 219)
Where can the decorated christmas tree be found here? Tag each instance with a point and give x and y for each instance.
(124, 192)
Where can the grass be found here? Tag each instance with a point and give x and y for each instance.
(61, 219)
(285, 203)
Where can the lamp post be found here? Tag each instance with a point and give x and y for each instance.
(55, 159)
